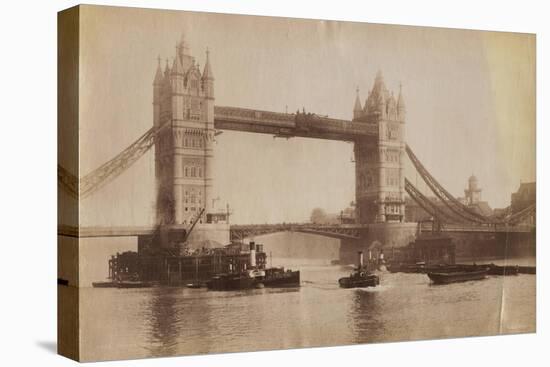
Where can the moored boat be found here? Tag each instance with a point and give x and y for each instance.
(457, 276)
(122, 284)
(503, 270)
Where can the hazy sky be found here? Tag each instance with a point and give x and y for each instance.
(470, 100)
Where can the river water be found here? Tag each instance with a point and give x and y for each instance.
(165, 321)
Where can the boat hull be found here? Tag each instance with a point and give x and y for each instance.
(283, 279)
(368, 281)
(455, 277)
(122, 284)
(503, 270)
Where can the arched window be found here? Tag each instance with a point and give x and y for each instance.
(186, 175)
(200, 171)
(193, 173)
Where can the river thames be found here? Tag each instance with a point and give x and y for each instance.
(167, 321)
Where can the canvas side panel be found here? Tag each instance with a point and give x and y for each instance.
(68, 173)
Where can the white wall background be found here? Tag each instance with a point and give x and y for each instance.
(28, 181)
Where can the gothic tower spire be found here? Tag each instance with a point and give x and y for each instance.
(207, 73)
(158, 74)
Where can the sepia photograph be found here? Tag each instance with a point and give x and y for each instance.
(237, 183)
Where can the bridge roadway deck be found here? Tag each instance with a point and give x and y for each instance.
(290, 125)
(239, 232)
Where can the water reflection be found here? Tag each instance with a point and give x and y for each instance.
(365, 315)
(161, 316)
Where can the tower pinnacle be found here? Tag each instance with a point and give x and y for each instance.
(207, 73)
(158, 74)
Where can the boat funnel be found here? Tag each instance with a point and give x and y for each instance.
(252, 254)
(360, 259)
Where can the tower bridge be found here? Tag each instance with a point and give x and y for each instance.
(186, 122)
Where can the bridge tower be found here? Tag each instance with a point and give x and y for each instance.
(183, 105)
(379, 162)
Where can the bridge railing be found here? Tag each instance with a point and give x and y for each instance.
(427, 227)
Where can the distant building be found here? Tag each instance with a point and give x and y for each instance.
(472, 194)
(524, 197)
(472, 198)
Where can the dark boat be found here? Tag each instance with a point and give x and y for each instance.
(122, 284)
(278, 277)
(458, 276)
(255, 277)
(360, 277)
(503, 270)
(230, 282)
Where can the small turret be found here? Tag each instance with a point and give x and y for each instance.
(207, 73)
(158, 74)
(177, 67)
(207, 79)
(166, 70)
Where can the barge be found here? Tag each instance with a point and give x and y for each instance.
(458, 276)
(191, 268)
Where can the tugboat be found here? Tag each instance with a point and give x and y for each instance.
(360, 277)
(255, 277)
